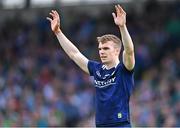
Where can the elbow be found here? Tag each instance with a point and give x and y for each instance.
(131, 66)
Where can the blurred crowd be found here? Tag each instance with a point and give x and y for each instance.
(41, 86)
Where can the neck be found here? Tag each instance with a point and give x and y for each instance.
(113, 64)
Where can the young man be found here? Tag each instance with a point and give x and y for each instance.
(113, 78)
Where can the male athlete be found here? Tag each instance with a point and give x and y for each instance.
(113, 79)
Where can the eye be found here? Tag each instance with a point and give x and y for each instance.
(99, 49)
(106, 48)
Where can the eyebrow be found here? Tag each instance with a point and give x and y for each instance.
(105, 48)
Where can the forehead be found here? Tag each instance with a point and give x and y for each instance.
(106, 44)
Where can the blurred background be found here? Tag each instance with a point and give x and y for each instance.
(41, 86)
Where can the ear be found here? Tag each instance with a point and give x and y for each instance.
(117, 51)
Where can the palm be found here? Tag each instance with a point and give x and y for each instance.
(54, 24)
(120, 19)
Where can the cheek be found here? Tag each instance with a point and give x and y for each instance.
(110, 54)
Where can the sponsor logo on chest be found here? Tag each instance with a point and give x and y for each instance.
(104, 83)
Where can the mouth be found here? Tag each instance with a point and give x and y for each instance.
(103, 57)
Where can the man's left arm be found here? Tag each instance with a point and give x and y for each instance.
(128, 53)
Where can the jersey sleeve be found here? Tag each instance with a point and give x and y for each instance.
(92, 67)
(126, 70)
(128, 78)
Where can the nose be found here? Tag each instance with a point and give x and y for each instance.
(101, 52)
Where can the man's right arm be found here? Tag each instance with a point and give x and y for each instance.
(73, 52)
(66, 44)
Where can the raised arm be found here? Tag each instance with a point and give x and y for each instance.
(128, 53)
(66, 44)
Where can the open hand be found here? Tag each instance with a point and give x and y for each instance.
(120, 16)
(55, 21)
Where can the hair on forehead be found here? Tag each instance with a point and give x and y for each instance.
(109, 37)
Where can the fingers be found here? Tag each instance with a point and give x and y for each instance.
(114, 15)
(54, 14)
(119, 9)
(49, 19)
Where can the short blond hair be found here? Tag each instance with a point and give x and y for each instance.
(109, 37)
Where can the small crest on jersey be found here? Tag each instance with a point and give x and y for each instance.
(119, 115)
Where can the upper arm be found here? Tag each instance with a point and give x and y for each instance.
(128, 60)
(81, 61)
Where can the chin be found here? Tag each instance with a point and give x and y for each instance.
(104, 62)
